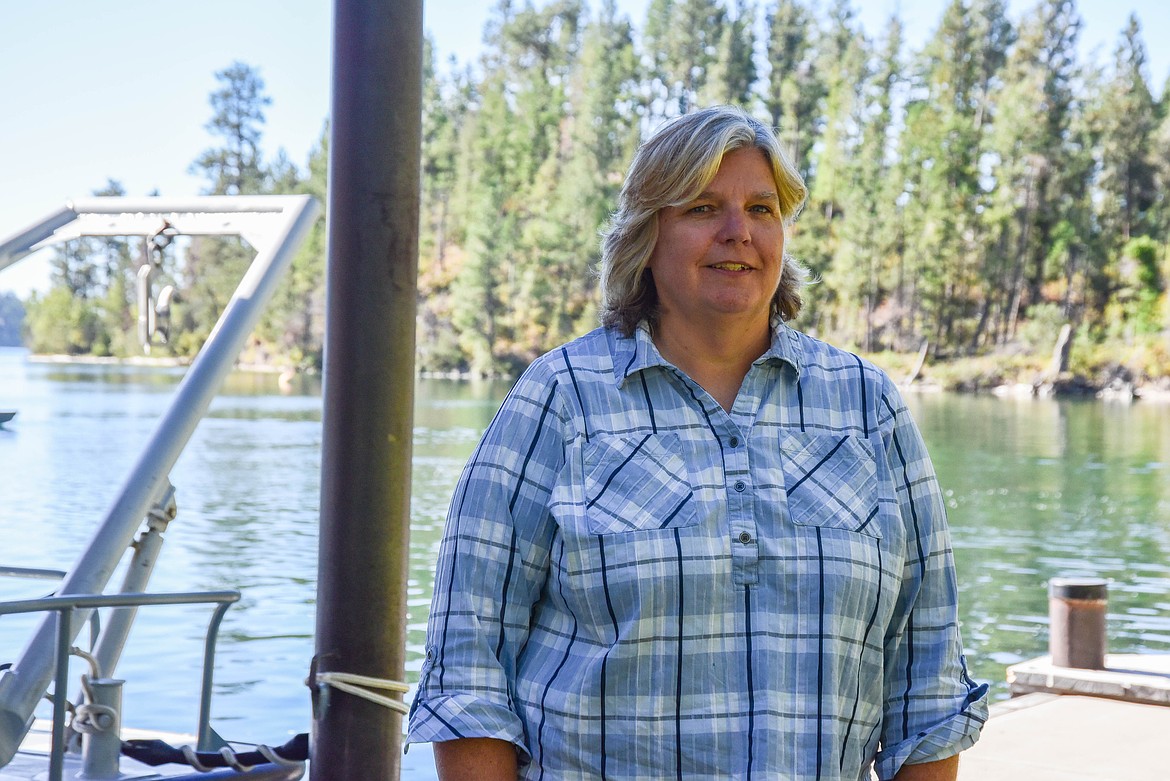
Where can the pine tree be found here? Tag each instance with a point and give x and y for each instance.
(117, 305)
(516, 129)
(870, 233)
(946, 144)
(732, 74)
(215, 265)
(842, 62)
(1031, 140)
(447, 101)
(794, 89)
(235, 167)
(1126, 185)
(682, 36)
(579, 184)
(292, 328)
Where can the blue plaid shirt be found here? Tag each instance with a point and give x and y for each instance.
(634, 583)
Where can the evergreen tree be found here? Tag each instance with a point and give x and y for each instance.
(1031, 141)
(11, 320)
(1126, 185)
(682, 36)
(215, 265)
(1160, 213)
(117, 304)
(870, 234)
(944, 157)
(794, 89)
(732, 74)
(448, 103)
(292, 328)
(579, 184)
(235, 167)
(87, 309)
(842, 61)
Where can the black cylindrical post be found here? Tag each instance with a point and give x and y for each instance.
(1076, 614)
(372, 216)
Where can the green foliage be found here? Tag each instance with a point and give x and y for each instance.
(235, 168)
(1141, 285)
(975, 195)
(1037, 335)
(1143, 358)
(11, 319)
(794, 86)
(63, 324)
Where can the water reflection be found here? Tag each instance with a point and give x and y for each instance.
(1037, 489)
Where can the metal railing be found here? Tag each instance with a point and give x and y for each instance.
(64, 608)
(274, 225)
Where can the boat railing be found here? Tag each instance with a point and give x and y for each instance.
(65, 609)
(40, 573)
(32, 573)
(274, 226)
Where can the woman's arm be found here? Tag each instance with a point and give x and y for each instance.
(933, 707)
(483, 759)
(942, 770)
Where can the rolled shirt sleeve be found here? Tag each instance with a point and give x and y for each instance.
(492, 566)
(933, 708)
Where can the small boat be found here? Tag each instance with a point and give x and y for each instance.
(6, 415)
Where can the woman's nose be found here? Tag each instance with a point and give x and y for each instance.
(735, 227)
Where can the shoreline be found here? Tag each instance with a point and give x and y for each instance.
(159, 362)
(1067, 386)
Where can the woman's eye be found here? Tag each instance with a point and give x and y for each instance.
(762, 209)
(700, 209)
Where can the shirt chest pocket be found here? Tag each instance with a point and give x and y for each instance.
(831, 480)
(637, 483)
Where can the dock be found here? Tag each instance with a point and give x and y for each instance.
(1069, 724)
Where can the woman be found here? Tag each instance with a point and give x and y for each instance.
(696, 543)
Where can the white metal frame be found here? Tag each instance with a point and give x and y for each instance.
(274, 225)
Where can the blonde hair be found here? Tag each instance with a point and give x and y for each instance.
(671, 168)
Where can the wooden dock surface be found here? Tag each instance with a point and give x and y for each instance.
(1055, 737)
(1078, 725)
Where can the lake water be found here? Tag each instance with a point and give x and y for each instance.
(1035, 489)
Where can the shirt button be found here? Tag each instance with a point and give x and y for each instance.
(740, 485)
(745, 537)
(734, 442)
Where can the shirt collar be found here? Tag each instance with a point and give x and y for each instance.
(632, 354)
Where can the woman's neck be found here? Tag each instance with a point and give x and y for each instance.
(716, 358)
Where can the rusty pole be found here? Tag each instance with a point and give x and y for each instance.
(373, 210)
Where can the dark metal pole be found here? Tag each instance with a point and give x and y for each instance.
(369, 379)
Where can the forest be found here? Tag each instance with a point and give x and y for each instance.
(967, 198)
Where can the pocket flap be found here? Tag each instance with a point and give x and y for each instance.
(831, 480)
(637, 483)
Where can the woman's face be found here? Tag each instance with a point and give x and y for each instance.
(718, 258)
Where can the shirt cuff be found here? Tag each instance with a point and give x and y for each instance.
(945, 739)
(453, 716)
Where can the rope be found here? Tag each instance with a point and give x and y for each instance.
(157, 752)
(231, 759)
(193, 760)
(89, 718)
(95, 668)
(352, 683)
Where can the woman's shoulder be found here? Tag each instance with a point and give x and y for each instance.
(820, 357)
(584, 358)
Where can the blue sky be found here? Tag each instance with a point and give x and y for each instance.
(118, 89)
